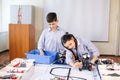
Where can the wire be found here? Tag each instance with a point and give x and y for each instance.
(58, 68)
(68, 76)
(77, 78)
(98, 72)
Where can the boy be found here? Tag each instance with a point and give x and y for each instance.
(50, 38)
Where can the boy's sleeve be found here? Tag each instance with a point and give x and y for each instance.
(41, 41)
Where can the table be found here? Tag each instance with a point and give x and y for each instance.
(16, 69)
(47, 71)
(42, 72)
(109, 73)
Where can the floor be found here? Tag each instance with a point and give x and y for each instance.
(4, 58)
(115, 58)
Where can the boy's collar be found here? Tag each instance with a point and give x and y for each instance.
(58, 28)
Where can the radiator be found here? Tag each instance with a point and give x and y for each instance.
(3, 41)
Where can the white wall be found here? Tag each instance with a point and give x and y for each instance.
(3, 41)
(119, 31)
(107, 48)
(111, 47)
(38, 13)
(86, 18)
(0, 14)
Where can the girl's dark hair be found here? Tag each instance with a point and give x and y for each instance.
(66, 38)
(51, 17)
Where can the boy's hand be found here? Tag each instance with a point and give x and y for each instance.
(41, 52)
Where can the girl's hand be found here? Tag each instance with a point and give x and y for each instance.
(92, 66)
(77, 64)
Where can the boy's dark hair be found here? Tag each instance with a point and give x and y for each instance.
(51, 17)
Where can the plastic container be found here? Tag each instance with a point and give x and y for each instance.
(48, 58)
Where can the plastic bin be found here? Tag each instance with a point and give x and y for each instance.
(49, 57)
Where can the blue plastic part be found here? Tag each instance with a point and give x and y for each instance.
(48, 58)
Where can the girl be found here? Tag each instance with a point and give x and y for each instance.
(75, 47)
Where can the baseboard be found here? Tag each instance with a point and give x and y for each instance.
(110, 55)
(6, 50)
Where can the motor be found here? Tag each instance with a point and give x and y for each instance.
(61, 57)
(86, 62)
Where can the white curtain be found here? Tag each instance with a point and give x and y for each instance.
(83, 18)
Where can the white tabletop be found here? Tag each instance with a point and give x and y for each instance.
(108, 74)
(42, 72)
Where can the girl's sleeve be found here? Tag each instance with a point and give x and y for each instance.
(91, 47)
(68, 56)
